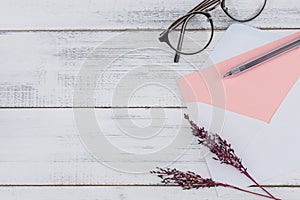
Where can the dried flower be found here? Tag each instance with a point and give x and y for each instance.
(187, 180)
(190, 180)
(219, 147)
(222, 150)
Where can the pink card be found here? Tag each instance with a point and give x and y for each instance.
(256, 93)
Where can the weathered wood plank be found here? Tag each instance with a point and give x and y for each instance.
(44, 146)
(42, 69)
(126, 14)
(132, 193)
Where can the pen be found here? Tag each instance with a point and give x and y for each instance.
(252, 63)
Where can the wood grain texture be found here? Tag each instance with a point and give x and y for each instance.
(43, 47)
(131, 193)
(126, 14)
(44, 147)
(43, 69)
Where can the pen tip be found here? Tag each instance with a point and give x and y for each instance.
(227, 74)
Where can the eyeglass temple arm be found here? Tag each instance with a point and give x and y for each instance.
(179, 46)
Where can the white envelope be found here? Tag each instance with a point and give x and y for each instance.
(267, 149)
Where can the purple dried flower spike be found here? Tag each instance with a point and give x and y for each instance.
(190, 180)
(222, 150)
(187, 180)
(218, 146)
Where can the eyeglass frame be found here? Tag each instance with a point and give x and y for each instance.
(164, 36)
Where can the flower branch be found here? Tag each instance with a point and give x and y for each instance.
(190, 180)
(222, 150)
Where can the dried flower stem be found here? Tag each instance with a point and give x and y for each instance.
(222, 150)
(190, 180)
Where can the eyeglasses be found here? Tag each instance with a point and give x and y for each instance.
(193, 32)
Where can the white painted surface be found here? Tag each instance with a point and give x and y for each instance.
(124, 14)
(131, 193)
(43, 146)
(39, 69)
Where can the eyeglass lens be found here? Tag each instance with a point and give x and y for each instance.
(243, 10)
(197, 32)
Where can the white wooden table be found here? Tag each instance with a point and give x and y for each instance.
(44, 45)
